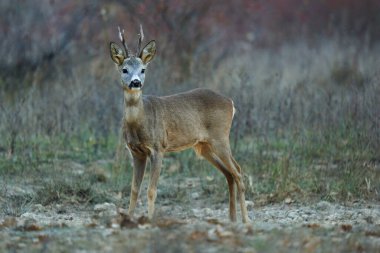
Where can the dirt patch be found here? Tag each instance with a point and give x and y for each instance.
(322, 226)
(186, 220)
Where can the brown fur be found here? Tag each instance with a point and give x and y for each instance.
(200, 119)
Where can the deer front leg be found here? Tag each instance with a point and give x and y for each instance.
(156, 161)
(139, 164)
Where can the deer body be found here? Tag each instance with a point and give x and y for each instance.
(163, 121)
(200, 119)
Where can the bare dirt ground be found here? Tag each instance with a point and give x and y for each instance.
(198, 225)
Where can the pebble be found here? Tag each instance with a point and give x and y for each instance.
(323, 205)
(250, 204)
(195, 195)
(106, 209)
(322, 213)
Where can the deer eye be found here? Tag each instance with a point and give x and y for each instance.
(142, 71)
(125, 71)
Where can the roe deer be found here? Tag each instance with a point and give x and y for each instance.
(200, 119)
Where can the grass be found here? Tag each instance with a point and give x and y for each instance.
(61, 170)
(66, 174)
(333, 165)
(305, 130)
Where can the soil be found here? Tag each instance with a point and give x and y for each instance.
(198, 225)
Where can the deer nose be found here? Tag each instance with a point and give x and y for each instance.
(135, 84)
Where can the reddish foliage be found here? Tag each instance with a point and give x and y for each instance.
(186, 30)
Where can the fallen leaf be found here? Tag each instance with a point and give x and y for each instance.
(312, 244)
(142, 220)
(346, 227)
(359, 247)
(223, 233)
(313, 225)
(214, 221)
(126, 222)
(92, 225)
(164, 223)
(32, 227)
(372, 233)
(248, 230)
(198, 235)
(43, 238)
(8, 222)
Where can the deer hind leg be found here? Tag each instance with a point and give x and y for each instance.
(156, 164)
(204, 150)
(139, 164)
(235, 163)
(223, 152)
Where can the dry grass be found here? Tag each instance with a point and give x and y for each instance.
(307, 123)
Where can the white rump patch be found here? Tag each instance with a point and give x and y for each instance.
(233, 109)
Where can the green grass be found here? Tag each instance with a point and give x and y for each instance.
(62, 169)
(333, 165)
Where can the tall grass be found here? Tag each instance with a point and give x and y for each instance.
(307, 122)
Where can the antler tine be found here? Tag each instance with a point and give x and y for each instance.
(121, 37)
(141, 38)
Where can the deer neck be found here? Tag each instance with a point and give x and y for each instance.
(133, 107)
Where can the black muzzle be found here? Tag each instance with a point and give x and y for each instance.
(135, 84)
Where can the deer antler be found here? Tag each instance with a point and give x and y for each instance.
(141, 38)
(121, 37)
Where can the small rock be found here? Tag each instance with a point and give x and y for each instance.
(115, 225)
(288, 200)
(76, 168)
(107, 232)
(195, 195)
(250, 204)
(369, 219)
(106, 209)
(100, 174)
(122, 211)
(174, 167)
(21, 245)
(292, 215)
(211, 235)
(208, 211)
(28, 215)
(209, 178)
(323, 205)
(196, 212)
(38, 207)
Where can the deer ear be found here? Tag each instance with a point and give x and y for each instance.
(117, 53)
(148, 52)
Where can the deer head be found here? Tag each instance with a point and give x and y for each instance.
(132, 67)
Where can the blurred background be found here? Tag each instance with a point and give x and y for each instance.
(304, 76)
